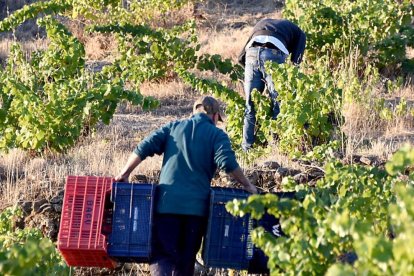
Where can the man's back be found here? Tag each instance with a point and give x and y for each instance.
(192, 150)
(286, 31)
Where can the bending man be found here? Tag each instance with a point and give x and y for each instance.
(270, 40)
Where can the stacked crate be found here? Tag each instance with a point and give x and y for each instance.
(103, 222)
(132, 220)
(81, 240)
(227, 243)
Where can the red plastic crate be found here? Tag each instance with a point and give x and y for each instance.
(81, 239)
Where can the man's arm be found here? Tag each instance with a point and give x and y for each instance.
(131, 164)
(241, 178)
(152, 144)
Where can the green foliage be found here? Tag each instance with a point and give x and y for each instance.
(145, 54)
(215, 63)
(401, 161)
(32, 11)
(308, 98)
(358, 87)
(103, 11)
(379, 29)
(161, 6)
(151, 55)
(49, 101)
(347, 211)
(25, 251)
(265, 124)
(321, 153)
(90, 9)
(380, 255)
(141, 11)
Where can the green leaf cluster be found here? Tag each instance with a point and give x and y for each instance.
(309, 100)
(381, 30)
(25, 251)
(148, 54)
(366, 211)
(48, 102)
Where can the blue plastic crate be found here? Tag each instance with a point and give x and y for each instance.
(271, 224)
(130, 240)
(227, 243)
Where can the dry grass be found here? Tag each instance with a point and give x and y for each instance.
(367, 132)
(236, 13)
(226, 24)
(227, 42)
(224, 27)
(28, 47)
(100, 47)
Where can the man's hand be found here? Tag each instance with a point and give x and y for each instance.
(122, 178)
(242, 179)
(251, 188)
(130, 165)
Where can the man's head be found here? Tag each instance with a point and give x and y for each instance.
(208, 105)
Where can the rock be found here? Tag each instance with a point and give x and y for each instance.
(96, 65)
(273, 165)
(278, 177)
(57, 208)
(140, 178)
(39, 205)
(282, 171)
(267, 179)
(58, 199)
(19, 223)
(351, 159)
(365, 160)
(47, 223)
(315, 174)
(238, 25)
(300, 178)
(253, 177)
(26, 207)
(292, 172)
(370, 160)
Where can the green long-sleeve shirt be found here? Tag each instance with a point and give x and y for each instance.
(193, 149)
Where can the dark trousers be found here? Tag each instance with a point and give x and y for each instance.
(176, 240)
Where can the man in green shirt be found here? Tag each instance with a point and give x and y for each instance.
(193, 149)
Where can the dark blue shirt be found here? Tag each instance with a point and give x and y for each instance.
(287, 32)
(193, 149)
